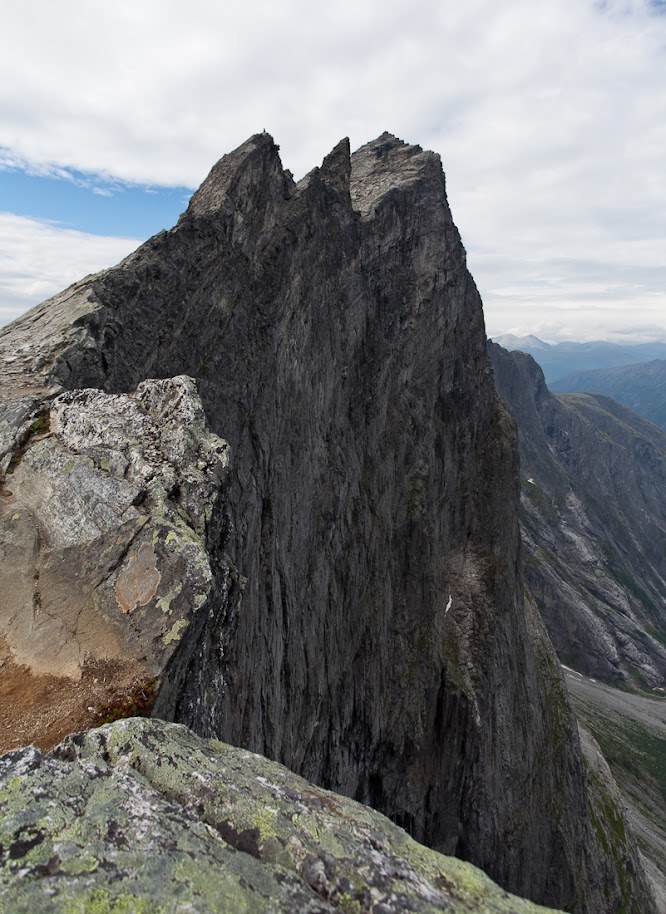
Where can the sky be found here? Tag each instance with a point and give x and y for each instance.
(549, 116)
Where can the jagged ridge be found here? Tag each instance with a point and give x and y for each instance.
(382, 647)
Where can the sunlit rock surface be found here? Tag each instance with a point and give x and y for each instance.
(104, 525)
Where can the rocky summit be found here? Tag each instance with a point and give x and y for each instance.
(352, 601)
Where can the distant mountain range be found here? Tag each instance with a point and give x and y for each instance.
(641, 387)
(558, 360)
(593, 519)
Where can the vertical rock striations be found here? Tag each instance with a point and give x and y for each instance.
(382, 647)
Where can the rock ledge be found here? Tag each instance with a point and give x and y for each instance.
(143, 816)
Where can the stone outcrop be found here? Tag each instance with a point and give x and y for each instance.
(142, 816)
(104, 528)
(381, 646)
(593, 514)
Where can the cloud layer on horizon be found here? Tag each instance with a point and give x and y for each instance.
(38, 259)
(550, 119)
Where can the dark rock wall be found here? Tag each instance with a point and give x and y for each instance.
(381, 646)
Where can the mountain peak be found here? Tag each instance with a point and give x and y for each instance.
(243, 172)
(387, 163)
(359, 611)
(511, 342)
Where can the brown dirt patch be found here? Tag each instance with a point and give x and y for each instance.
(40, 709)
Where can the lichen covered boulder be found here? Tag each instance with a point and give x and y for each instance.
(109, 502)
(145, 817)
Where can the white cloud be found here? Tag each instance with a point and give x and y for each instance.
(550, 116)
(38, 259)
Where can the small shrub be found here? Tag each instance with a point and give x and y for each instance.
(138, 703)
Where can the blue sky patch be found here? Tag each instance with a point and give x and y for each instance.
(92, 204)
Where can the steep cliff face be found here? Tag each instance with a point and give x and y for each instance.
(593, 512)
(382, 647)
(631, 731)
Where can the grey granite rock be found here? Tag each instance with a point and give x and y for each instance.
(382, 646)
(143, 817)
(109, 509)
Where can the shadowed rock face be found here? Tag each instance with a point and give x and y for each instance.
(382, 647)
(593, 513)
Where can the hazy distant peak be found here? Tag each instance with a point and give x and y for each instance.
(569, 357)
(512, 342)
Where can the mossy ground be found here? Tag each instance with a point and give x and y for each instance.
(137, 703)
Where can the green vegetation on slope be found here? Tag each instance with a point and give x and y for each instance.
(636, 754)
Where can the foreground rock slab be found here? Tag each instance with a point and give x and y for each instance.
(144, 816)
